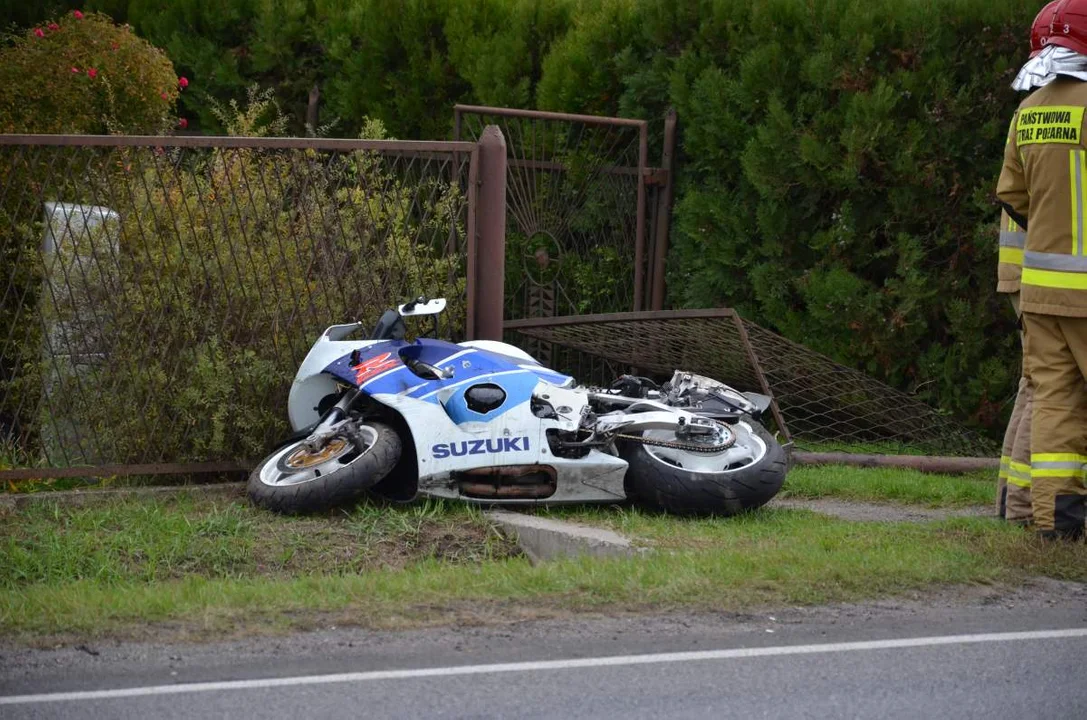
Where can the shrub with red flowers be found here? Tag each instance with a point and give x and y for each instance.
(82, 73)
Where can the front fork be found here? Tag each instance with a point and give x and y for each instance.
(336, 422)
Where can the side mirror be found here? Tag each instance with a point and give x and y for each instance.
(421, 307)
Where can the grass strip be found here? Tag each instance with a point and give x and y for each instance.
(157, 540)
(891, 485)
(194, 567)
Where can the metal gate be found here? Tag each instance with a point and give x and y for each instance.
(586, 217)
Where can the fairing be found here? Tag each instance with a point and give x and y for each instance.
(451, 437)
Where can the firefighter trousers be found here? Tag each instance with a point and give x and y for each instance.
(1055, 350)
(1013, 491)
(1013, 484)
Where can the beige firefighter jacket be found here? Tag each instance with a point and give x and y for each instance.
(1044, 180)
(1013, 239)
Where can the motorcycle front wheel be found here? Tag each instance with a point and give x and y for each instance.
(297, 479)
(743, 477)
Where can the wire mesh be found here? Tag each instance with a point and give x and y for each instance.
(575, 207)
(158, 294)
(824, 406)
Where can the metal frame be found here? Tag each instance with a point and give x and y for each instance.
(425, 151)
(123, 470)
(644, 172)
(718, 313)
(261, 143)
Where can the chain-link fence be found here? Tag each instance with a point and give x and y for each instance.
(821, 405)
(158, 294)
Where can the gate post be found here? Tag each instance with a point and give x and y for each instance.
(664, 211)
(490, 249)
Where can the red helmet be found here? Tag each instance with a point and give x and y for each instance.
(1069, 26)
(1039, 31)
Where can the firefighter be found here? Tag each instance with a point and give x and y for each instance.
(1013, 484)
(1043, 187)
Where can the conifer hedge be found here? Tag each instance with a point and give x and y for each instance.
(837, 157)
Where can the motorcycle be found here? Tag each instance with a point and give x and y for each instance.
(483, 421)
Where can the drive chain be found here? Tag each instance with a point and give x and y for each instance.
(680, 446)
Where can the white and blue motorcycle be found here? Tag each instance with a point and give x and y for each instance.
(482, 421)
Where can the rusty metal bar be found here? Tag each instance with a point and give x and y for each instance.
(664, 211)
(923, 463)
(648, 173)
(544, 115)
(618, 317)
(441, 148)
(490, 263)
(472, 272)
(639, 230)
(123, 470)
(756, 367)
(90, 496)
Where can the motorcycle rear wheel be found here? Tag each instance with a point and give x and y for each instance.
(295, 479)
(743, 478)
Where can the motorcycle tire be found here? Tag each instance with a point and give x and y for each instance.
(660, 485)
(338, 476)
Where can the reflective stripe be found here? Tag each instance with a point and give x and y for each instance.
(1075, 170)
(1080, 173)
(1053, 279)
(1054, 261)
(1057, 473)
(1019, 472)
(1057, 457)
(1011, 256)
(1074, 199)
(1057, 465)
(1074, 465)
(1013, 238)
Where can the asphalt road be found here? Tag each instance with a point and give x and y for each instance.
(1009, 659)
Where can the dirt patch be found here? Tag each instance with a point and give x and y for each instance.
(879, 512)
(349, 545)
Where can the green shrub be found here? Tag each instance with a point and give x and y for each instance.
(84, 74)
(231, 262)
(836, 172)
(837, 159)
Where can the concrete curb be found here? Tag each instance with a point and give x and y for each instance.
(80, 498)
(543, 539)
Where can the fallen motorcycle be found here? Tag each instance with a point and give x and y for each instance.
(483, 421)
